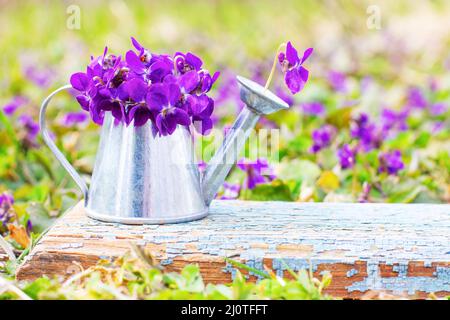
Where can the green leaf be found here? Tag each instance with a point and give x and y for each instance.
(275, 191)
(8, 126)
(194, 281)
(405, 196)
(34, 288)
(401, 141)
(340, 118)
(422, 140)
(299, 170)
(247, 268)
(38, 192)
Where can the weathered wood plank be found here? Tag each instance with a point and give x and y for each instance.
(365, 246)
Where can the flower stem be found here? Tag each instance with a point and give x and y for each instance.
(274, 65)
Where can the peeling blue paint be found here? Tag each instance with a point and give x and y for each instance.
(166, 262)
(303, 235)
(351, 273)
(403, 282)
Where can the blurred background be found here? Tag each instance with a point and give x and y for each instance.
(378, 66)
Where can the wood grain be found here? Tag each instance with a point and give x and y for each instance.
(392, 247)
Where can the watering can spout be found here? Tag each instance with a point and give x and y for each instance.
(258, 101)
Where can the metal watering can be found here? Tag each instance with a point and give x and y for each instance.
(141, 178)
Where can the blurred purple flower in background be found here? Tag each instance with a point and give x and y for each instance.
(364, 196)
(433, 84)
(438, 126)
(366, 132)
(296, 75)
(322, 137)
(438, 109)
(392, 119)
(416, 98)
(338, 81)
(268, 124)
(283, 95)
(313, 108)
(15, 103)
(365, 83)
(6, 214)
(30, 131)
(390, 162)
(228, 91)
(230, 191)
(347, 156)
(29, 227)
(42, 77)
(73, 118)
(258, 171)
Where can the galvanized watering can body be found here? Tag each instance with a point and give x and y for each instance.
(143, 178)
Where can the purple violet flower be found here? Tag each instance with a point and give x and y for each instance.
(392, 119)
(31, 130)
(347, 156)
(230, 191)
(296, 75)
(369, 135)
(313, 108)
(338, 81)
(416, 98)
(390, 162)
(147, 87)
(257, 171)
(187, 62)
(39, 76)
(438, 109)
(10, 108)
(163, 102)
(322, 137)
(73, 118)
(29, 226)
(201, 112)
(6, 203)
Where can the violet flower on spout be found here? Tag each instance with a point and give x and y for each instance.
(296, 75)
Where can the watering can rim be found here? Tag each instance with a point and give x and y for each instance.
(263, 93)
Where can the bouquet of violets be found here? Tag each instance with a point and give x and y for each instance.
(143, 86)
(166, 90)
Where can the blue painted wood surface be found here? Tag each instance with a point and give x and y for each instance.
(395, 247)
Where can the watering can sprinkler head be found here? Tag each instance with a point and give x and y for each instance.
(258, 101)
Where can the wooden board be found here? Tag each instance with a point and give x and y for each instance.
(394, 247)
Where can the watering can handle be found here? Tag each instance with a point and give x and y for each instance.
(48, 140)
